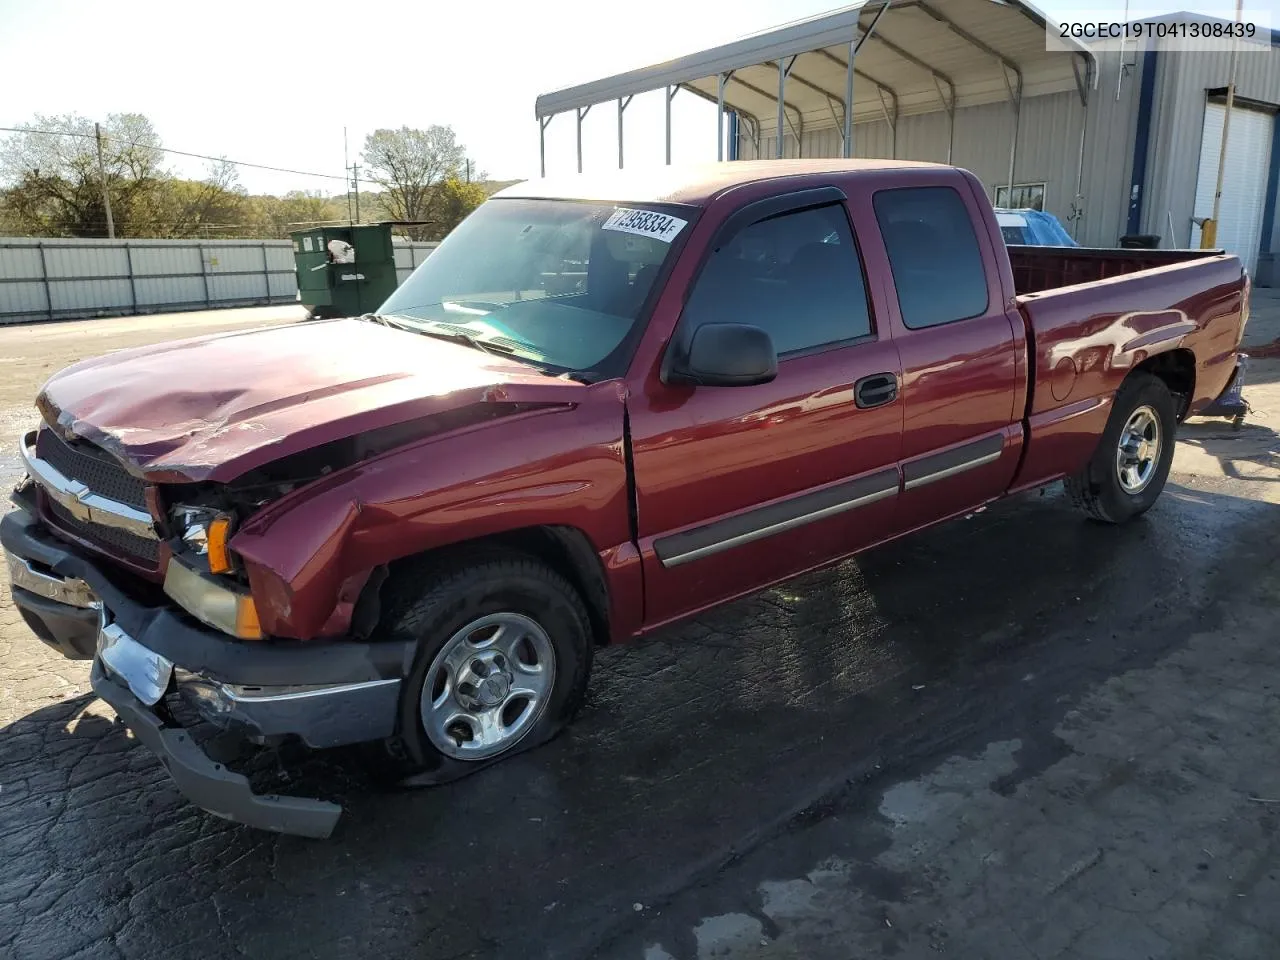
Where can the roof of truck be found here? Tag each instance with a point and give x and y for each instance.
(693, 184)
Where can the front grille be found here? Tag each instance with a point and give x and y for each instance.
(108, 538)
(93, 467)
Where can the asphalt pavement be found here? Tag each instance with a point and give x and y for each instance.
(1019, 734)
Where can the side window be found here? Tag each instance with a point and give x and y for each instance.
(797, 276)
(933, 253)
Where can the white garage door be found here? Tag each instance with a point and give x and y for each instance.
(1244, 188)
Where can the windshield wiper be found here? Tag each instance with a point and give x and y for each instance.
(458, 336)
(389, 321)
(427, 328)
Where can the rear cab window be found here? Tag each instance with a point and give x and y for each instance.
(933, 254)
(796, 275)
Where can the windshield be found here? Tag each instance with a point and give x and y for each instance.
(559, 284)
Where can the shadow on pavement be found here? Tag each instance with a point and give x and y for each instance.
(1250, 453)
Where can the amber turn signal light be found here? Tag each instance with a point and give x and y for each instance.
(218, 533)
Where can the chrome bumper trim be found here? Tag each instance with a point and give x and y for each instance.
(68, 590)
(144, 672)
(81, 502)
(244, 694)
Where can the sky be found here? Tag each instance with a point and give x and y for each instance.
(275, 82)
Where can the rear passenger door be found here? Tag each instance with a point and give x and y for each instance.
(962, 351)
(738, 487)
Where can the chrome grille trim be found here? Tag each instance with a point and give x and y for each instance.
(78, 500)
(92, 466)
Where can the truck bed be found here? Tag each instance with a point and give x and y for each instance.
(1092, 316)
(1039, 268)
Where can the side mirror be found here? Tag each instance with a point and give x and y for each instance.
(722, 355)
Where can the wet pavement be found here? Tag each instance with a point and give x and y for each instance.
(808, 773)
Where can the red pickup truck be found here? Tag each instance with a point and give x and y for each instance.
(599, 407)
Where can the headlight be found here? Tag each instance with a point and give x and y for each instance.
(216, 603)
(205, 533)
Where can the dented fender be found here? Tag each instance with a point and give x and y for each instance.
(309, 553)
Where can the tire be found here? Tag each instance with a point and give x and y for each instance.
(1115, 487)
(485, 599)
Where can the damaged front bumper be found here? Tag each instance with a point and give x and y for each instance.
(325, 693)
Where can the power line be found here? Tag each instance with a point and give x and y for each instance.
(186, 153)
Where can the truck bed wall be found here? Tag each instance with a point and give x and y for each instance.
(1044, 268)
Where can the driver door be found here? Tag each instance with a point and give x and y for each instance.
(738, 487)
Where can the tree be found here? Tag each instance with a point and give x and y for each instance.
(409, 164)
(179, 209)
(456, 200)
(52, 168)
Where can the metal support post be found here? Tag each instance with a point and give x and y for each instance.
(1077, 206)
(949, 105)
(891, 120)
(783, 70)
(622, 105)
(671, 92)
(1017, 124)
(44, 275)
(1209, 230)
(721, 80)
(848, 99)
(581, 113)
(542, 143)
(204, 274)
(133, 287)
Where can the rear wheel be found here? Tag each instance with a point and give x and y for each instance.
(1131, 464)
(503, 654)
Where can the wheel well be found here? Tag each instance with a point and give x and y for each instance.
(566, 550)
(1177, 369)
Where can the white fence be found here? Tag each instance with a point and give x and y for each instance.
(70, 279)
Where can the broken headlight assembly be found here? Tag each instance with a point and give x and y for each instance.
(196, 576)
(205, 532)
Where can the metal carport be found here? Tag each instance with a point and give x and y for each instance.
(888, 58)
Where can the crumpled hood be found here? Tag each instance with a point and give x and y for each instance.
(212, 408)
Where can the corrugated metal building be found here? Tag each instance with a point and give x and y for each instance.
(1111, 141)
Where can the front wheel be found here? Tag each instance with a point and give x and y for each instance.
(503, 652)
(1131, 464)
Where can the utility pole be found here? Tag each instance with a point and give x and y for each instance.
(345, 167)
(1209, 230)
(355, 182)
(102, 176)
(468, 170)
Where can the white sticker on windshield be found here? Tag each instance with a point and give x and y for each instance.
(645, 223)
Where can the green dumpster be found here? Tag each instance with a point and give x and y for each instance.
(344, 271)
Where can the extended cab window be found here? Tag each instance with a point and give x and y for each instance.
(933, 253)
(558, 284)
(797, 276)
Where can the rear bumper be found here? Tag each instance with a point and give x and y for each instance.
(326, 693)
(1231, 402)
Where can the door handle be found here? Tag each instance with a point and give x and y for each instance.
(875, 390)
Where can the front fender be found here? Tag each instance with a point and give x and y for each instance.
(308, 554)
